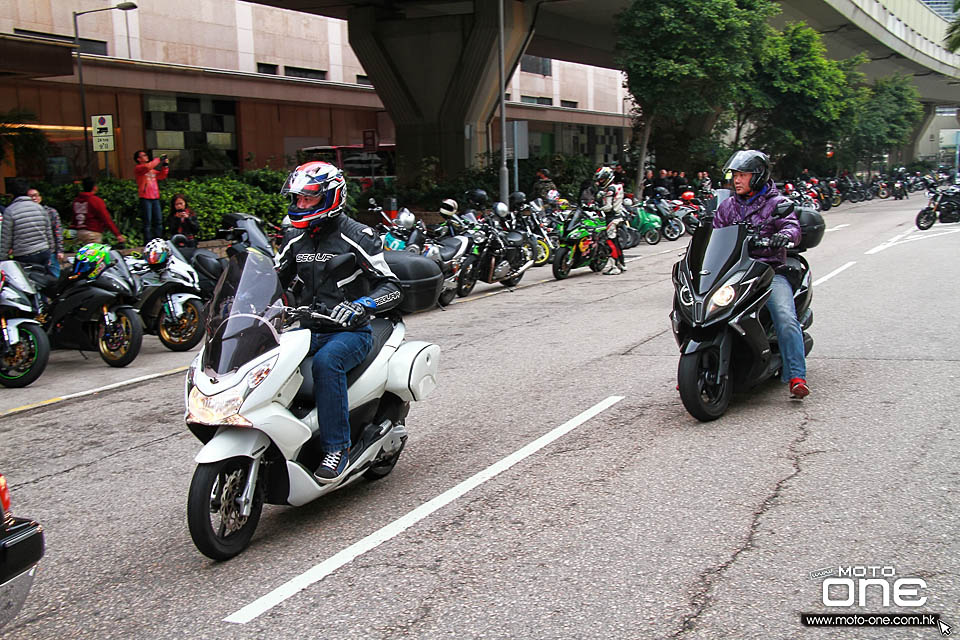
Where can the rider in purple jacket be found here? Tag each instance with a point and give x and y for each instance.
(755, 201)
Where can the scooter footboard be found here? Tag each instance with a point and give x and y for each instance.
(413, 370)
(231, 442)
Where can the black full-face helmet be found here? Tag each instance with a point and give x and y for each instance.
(662, 192)
(750, 161)
(516, 200)
(477, 198)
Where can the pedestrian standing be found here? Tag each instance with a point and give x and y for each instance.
(182, 220)
(90, 216)
(57, 254)
(147, 174)
(26, 231)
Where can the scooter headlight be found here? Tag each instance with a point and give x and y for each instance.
(224, 407)
(724, 296)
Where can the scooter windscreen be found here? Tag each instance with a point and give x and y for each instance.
(245, 315)
(712, 253)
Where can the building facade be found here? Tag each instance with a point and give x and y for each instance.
(227, 84)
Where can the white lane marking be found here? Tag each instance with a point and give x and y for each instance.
(320, 571)
(889, 243)
(839, 226)
(89, 392)
(924, 236)
(833, 273)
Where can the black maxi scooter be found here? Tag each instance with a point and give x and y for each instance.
(720, 320)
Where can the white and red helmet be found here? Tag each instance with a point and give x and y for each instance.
(318, 180)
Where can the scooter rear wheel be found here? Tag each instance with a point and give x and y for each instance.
(703, 398)
(213, 510)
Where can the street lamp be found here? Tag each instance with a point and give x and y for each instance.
(123, 6)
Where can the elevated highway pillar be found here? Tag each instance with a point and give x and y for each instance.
(438, 77)
(910, 151)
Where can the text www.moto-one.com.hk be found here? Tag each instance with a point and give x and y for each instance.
(869, 620)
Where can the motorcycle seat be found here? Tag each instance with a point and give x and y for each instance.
(42, 280)
(381, 329)
(207, 264)
(449, 247)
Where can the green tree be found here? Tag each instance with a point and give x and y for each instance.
(887, 115)
(681, 57)
(952, 42)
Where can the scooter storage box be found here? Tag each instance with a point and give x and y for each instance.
(420, 280)
(812, 227)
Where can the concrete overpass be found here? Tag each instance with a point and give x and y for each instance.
(435, 62)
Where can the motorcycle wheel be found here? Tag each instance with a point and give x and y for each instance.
(825, 205)
(703, 400)
(446, 297)
(652, 236)
(926, 218)
(543, 253)
(883, 193)
(868, 194)
(185, 334)
(837, 199)
(562, 263)
(121, 350)
(213, 513)
(28, 358)
(382, 468)
(673, 229)
(816, 205)
(600, 259)
(530, 253)
(468, 277)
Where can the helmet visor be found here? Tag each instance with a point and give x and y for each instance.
(746, 162)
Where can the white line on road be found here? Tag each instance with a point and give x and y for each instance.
(889, 243)
(320, 571)
(833, 273)
(839, 226)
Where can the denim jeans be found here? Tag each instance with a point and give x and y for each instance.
(40, 257)
(53, 268)
(152, 219)
(334, 354)
(783, 312)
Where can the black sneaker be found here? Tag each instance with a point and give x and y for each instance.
(333, 466)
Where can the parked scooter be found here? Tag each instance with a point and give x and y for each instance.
(249, 396)
(720, 319)
(26, 347)
(170, 304)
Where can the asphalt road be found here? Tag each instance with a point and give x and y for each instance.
(638, 522)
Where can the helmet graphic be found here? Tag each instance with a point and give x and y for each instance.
(553, 195)
(156, 253)
(751, 161)
(603, 177)
(91, 260)
(448, 208)
(315, 180)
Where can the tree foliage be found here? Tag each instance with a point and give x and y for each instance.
(952, 42)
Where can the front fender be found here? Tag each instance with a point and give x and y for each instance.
(231, 442)
(723, 340)
(13, 328)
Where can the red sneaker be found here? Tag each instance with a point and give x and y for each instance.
(799, 388)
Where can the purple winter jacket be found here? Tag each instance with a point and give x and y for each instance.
(758, 210)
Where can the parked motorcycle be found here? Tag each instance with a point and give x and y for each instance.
(170, 304)
(672, 226)
(719, 316)
(584, 242)
(944, 206)
(26, 347)
(249, 400)
(900, 191)
(644, 222)
(498, 256)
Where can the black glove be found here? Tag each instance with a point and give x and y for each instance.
(779, 240)
(349, 315)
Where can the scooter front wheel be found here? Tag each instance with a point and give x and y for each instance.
(214, 512)
(704, 396)
(926, 218)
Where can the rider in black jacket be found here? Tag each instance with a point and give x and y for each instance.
(318, 191)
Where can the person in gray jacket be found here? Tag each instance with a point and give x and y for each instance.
(56, 254)
(26, 230)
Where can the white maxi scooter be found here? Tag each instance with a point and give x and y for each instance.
(249, 397)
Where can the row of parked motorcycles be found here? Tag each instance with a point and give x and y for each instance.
(105, 302)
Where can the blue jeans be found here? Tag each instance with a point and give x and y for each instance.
(41, 258)
(53, 268)
(783, 312)
(152, 219)
(334, 354)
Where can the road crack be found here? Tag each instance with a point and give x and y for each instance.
(702, 598)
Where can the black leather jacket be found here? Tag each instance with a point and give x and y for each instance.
(306, 255)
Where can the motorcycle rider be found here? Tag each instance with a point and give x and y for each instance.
(543, 184)
(755, 202)
(317, 192)
(609, 197)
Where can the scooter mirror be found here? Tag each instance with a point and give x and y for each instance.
(340, 267)
(784, 208)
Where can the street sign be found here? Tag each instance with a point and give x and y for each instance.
(102, 125)
(103, 143)
(370, 142)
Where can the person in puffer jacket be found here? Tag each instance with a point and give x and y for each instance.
(26, 231)
(755, 203)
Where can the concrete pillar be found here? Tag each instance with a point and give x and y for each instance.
(910, 151)
(438, 77)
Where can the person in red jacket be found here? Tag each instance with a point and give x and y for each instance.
(90, 215)
(147, 175)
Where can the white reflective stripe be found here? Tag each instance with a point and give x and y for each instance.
(279, 258)
(350, 279)
(377, 262)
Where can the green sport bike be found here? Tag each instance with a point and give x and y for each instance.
(646, 223)
(583, 241)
